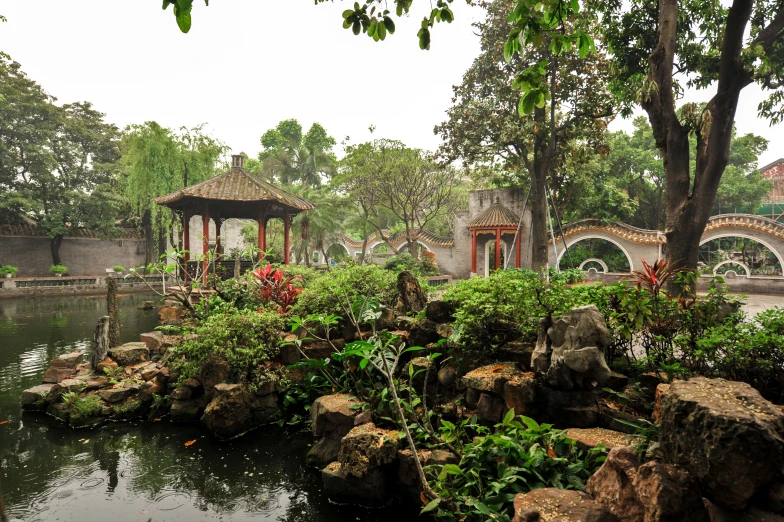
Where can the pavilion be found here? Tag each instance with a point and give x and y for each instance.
(497, 221)
(234, 194)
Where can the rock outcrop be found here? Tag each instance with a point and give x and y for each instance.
(411, 296)
(129, 354)
(333, 417)
(559, 505)
(725, 435)
(650, 492)
(569, 353)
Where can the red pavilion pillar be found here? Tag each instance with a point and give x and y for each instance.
(186, 242)
(497, 248)
(473, 251)
(286, 240)
(205, 230)
(262, 243)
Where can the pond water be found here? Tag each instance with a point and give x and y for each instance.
(139, 471)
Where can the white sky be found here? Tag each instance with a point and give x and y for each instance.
(247, 64)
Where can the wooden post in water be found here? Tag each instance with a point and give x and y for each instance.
(100, 342)
(114, 312)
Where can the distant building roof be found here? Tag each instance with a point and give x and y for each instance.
(774, 169)
(496, 215)
(236, 185)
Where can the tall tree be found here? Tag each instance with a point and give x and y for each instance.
(407, 183)
(291, 157)
(159, 161)
(661, 47)
(563, 128)
(56, 162)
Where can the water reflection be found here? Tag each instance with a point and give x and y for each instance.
(136, 472)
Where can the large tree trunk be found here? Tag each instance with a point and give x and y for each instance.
(54, 246)
(542, 153)
(361, 259)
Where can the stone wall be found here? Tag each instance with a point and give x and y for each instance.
(82, 256)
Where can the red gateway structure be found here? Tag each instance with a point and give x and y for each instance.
(496, 220)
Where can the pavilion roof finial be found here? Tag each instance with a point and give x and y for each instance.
(238, 161)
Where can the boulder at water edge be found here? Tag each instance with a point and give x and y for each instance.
(333, 417)
(129, 354)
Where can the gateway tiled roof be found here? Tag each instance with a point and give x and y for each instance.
(424, 236)
(495, 216)
(28, 230)
(236, 185)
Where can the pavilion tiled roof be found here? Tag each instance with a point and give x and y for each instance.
(496, 215)
(236, 185)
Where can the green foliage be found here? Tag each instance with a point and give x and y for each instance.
(118, 268)
(405, 261)
(326, 295)
(518, 457)
(58, 269)
(8, 269)
(114, 375)
(506, 306)
(80, 408)
(245, 339)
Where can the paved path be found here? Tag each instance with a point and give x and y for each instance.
(756, 303)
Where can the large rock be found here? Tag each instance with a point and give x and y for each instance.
(63, 367)
(189, 410)
(569, 353)
(115, 394)
(213, 373)
(366, 448)
(517, 351)
(411, 296)
(559, 505)
(368, 490)
(34, 398)
(441, 311)
(750, 514)
(491, 378)
(129, 354)
(490, 408)
(588, 438)
(229, 413)
(725, 434)
(650, 492)
(68, 360)
(333, 417)
(570, 408)
(407, 472)
(63, 387)
(153, 340)
(423, 332)
(520, 393)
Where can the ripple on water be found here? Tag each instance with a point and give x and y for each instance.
(169, 500)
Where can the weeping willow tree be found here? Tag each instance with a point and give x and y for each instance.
(158, 161)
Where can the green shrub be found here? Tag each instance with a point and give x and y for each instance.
(300, 274)
(508, 305)
(519, 457)
(58, 269)
(326, 295)
(118, 268)
(80, 408)
(8, 269)
(405, 261)
(751, 352)
(245, 339)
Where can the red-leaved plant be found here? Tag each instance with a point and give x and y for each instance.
(275, 287)
(655, 277)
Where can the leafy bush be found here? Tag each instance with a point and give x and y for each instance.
(752, 352)
(8, 269)
(405, 261)
(82, 408)
(273, 286)
(507, 305)
(301, 275)
(520, 456)
(245, 339)
(326, 295)
(58, 269)
(118, 268)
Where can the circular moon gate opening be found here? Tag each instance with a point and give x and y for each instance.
(742, 255)
(593, 253)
